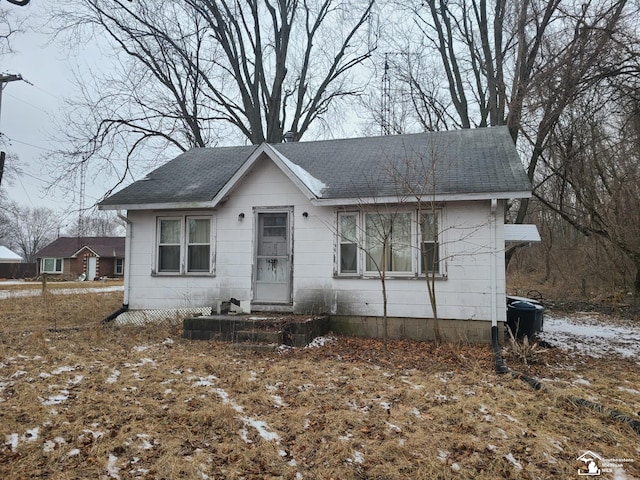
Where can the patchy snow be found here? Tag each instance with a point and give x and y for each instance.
(312, 183)
(358, 458)
(321, 341)
(112, 468)
(4, 294)
(12, 441)
(591, 334)
(513, 461)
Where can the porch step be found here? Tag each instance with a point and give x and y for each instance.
(259, 336)
(272, 307)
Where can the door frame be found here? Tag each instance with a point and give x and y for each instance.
(91, 260)
(256, 238)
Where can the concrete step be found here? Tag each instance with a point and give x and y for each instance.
(272, 307)
(259, 336)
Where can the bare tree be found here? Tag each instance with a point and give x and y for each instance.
(9, 27)
(194, 72)
(31, 229)
(97, 224)
(593, 168)
(519, 64)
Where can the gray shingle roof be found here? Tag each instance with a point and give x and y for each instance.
(457, 162)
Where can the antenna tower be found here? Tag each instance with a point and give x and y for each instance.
(385, 123)
(81, 209)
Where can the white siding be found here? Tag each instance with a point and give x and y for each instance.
(465, 293)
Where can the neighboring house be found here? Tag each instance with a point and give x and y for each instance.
(12, 266)
(7, 256)
(93, 257)
(295, 227)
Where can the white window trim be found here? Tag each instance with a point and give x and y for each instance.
(358, 244)
(55, 262)
(412, 247)
(184, 246)
(416, 239)
(115, 266)
(441, 264)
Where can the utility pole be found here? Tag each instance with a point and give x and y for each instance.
(4, 79)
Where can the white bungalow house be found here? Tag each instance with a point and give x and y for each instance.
(307, 227)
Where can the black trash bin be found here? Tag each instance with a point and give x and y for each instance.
(524, 318)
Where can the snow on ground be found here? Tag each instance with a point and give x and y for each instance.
(4, 294)
(591, 334)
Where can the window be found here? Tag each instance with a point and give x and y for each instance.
(119, 268)
(199, 244)
(430, 250)
(184, 241)
(51, 265)
(348, 249)
(169, 246)
(388, 242)
(400, 243)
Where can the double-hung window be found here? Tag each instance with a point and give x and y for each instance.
(429, 246)
(51, 265)
(184, 245)
(348, 243)
(198, 244)
(119, 266)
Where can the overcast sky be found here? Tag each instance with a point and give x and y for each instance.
(28, 111)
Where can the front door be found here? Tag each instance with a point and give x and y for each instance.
(273, 258)
(92, 263)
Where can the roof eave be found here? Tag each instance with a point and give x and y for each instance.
(456, 197)
(159, 206)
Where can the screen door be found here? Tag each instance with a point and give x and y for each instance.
(273, 258)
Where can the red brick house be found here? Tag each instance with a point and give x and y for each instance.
(71, 257)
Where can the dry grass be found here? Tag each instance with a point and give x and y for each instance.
(48, 310)
(144, 403)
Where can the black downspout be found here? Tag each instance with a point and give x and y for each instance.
(115, 314)
(500, 366)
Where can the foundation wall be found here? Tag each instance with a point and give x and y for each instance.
(473, 331)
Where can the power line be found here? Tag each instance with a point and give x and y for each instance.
(10, 139)
(28, 103)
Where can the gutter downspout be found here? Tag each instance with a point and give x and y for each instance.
(493, 266)
(127, 258)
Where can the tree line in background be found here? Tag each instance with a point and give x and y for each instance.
(26, 230)
(561, 75)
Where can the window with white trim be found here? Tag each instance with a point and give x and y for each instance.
(430, 244)
(348, 243)
(198, 244)
(119, 266)
(184, 245)
(397, 242)
(51, 265)
(388, 242)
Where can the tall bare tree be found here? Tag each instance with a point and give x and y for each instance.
(194, 72)
(593, 172)
(30, 229)
(519, 64)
